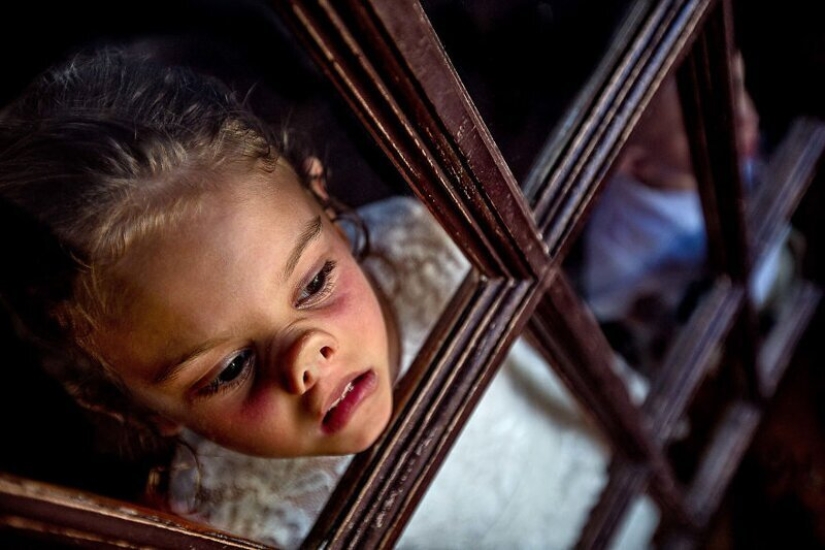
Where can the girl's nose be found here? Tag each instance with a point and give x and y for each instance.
(307, 361)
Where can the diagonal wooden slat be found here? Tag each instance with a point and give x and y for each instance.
(70, 515)
(387, 62)
(706, 92)
(566, 175)
(566, 333)
(627, 478)
(691, 355)
(791, 322)
(381, 489)
(786, 179)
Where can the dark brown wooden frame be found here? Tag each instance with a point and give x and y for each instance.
(387, 62)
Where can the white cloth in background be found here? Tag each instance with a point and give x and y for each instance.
(643, 242)
(524, 472)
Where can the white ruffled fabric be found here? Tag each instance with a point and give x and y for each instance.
(524, 472)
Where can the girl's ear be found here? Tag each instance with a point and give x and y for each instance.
(315, 175)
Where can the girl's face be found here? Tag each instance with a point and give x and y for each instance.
(252, 324)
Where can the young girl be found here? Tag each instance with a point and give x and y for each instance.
(208, 289)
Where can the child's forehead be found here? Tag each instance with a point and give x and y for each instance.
(280, 186)
(240, 226)
(248, 201)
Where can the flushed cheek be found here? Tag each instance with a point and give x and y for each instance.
(362, 303)
(258, 409)
(354, 309)
(263, 427)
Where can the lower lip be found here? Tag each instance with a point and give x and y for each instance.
(338, 417)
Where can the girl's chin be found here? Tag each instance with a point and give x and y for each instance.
(367, 437)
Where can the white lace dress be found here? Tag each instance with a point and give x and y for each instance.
(524, 472)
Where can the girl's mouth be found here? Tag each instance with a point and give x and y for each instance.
(352, 395)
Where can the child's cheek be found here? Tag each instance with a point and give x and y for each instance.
(356, 301)
(261, 404)
(263, 417)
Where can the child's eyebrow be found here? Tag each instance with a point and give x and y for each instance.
(171, 369)
(310, 232)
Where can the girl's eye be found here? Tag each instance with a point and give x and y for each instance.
(317, 288)
(236, 370)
